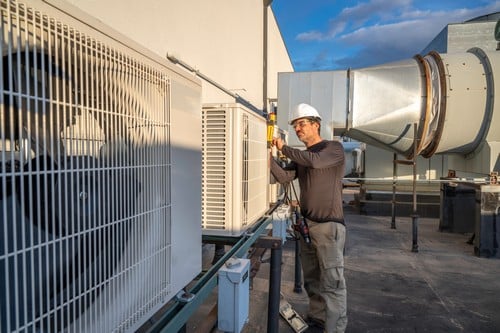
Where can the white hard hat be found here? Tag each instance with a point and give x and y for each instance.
(304, 110)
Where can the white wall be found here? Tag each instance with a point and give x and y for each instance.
(278, 58)
(223, 39)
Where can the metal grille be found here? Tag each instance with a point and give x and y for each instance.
(215, 168)
(85, 204)
(257, 178)
(234, 169)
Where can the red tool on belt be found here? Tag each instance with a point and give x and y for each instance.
(301, 226)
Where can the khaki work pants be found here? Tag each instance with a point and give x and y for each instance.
(323, 268)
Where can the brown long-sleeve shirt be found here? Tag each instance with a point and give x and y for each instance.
(319, 169)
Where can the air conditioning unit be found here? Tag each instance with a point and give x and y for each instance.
(92, 159)
(235, 175)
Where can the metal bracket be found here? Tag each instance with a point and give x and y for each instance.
(184, 296)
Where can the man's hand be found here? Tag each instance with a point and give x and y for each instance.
(278, 143)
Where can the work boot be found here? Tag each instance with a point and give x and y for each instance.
(315, 322)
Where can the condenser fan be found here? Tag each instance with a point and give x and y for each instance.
(68, 192)
(85, 165)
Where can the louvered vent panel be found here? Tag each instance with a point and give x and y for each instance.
(234, 169)
(85, 206)
(215, 168)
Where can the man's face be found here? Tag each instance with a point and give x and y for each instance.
(305, 129)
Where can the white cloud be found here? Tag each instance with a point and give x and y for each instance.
(413, 34)
(310, 35)
(363, 12)
(387, 30)
(407, 33)
(355, 17)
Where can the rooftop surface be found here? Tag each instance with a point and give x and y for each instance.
(443, 287)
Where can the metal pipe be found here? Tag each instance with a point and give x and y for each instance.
(414, 223)
(298, 268)
(414, 216)
(394, 179)
(274, 288)
(415, 144)
(195, 71)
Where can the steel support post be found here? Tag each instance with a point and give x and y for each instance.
(394, 179)
(298, 268)
(414, 224)
(274, 243)
(414, 216)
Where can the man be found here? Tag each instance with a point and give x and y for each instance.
(319, 170)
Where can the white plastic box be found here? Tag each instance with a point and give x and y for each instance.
(233, 296)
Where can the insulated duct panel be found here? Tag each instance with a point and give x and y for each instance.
(448, 97)
(379, 119)
(235, 176)
(86, 240)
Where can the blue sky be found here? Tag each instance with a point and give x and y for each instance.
(333, 34)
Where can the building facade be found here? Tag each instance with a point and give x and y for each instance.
(236, 44)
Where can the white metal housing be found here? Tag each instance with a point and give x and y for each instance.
(95, 171)
(235, 173)
(453, 106)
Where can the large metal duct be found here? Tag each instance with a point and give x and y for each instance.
(450, 98)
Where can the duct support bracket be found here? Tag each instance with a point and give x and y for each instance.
(411, 162)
